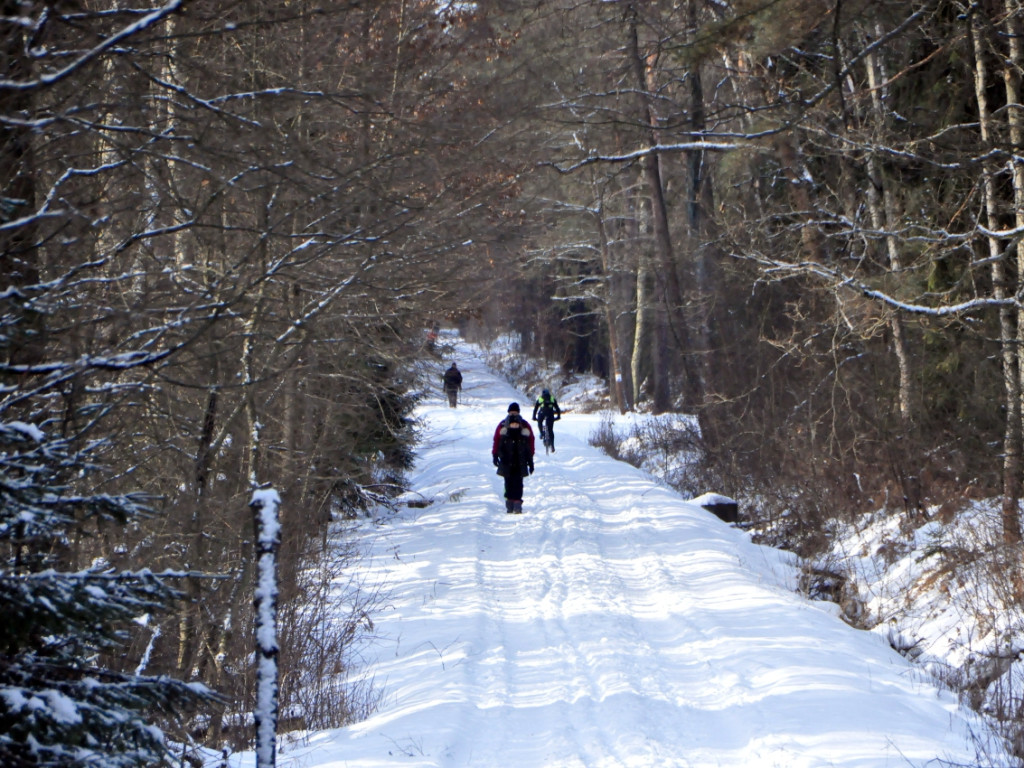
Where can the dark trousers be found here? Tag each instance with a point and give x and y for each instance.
(514, 486)
(453, 395)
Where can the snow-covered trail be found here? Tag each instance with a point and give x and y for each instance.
(612, 624)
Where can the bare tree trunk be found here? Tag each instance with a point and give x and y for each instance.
(698, 371)
(626, 291)
(616, 379)
(640, 328)
(1002, 289)
(24, 342)
(1012, 82)
(669, 293)
(884, 218)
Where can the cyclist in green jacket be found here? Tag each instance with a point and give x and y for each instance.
(546, 412)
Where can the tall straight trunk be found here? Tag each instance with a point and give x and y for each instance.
(1002, 289)
(24, 342)
(616, 384)
(641, 329)
(669, 296)
(190, 630)
(627, 291)
(700, 203)
(1012, 83)
(884, 218)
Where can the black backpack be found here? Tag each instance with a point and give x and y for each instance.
(513, 433)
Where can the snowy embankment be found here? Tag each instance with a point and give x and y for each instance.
(939, 591)
(612, 624)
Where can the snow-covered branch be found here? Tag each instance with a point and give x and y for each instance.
(108, 43)
(660, 149)
(837, 279)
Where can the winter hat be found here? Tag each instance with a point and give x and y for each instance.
(513, 408)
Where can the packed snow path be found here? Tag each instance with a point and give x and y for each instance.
(611, 624)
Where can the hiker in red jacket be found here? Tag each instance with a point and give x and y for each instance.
(512, 453)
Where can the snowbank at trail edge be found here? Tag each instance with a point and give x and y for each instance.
(612, 624)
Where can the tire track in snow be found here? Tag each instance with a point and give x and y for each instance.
(582, 587)
(531, 634)
(626, 665)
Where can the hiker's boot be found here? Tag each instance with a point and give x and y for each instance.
(517, 507)
(509, 507)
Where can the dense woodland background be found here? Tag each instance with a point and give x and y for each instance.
(226, 226)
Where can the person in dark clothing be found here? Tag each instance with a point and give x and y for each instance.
(546, 412)
(452, 384)
(512, 453)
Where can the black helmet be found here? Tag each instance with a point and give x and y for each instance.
(545, 393)
(513, 407)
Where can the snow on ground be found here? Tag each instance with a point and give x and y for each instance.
(612, 624)
(939, 591)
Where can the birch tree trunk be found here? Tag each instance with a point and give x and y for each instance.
(884, 218)
(641, 328)
(616, 384)
(1012, 83)
(1002, 289)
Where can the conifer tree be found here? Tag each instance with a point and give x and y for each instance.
(60, 702)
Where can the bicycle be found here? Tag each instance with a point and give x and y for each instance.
(547, 438)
